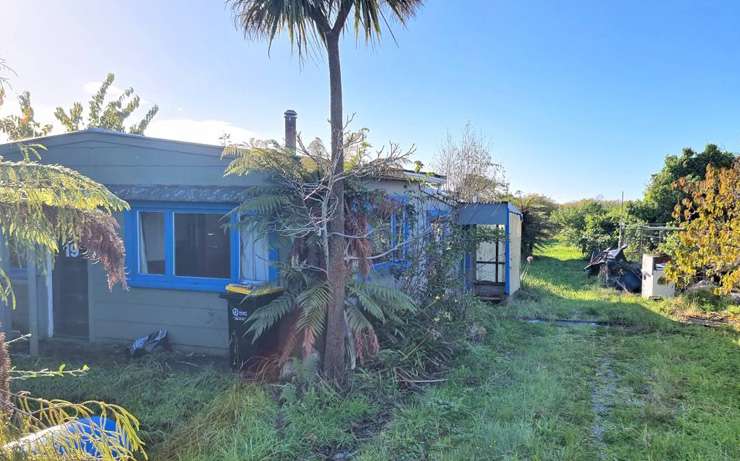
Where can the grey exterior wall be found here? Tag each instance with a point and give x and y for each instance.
(195, 320)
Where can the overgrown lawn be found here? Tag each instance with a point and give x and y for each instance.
(639, 386)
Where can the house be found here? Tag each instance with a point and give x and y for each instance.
(179, 254)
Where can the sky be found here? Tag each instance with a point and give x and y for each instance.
(575, 98)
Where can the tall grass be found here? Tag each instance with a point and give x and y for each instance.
(646, 388)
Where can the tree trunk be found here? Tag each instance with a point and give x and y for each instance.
(333, 363)
(6, 406)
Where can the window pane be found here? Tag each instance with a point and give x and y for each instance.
(202, 246)
(387, 234)
(255, 264)
(151, 242)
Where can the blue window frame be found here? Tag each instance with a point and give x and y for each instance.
(208, 260)
(398, 233)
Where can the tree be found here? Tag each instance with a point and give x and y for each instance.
(591, 225)
(708, 245)
(467, 163)
(297, 206)
(661, 196)
(321, 23)
(40, 207)
(111, 115)
(24, 125)
(537, 223)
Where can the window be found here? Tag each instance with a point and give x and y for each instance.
(193, 247)
(151, 242)
(181, 246)
(202, 246)
(256, 257)
(389, 238)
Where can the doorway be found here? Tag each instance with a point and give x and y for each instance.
(71, 316)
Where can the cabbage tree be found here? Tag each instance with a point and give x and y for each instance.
(320, 24)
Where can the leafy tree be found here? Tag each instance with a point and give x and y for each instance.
(468, 166)
(111, 115)
(661, 196)
(321, 23)
(708, 246)
(591, 225)
(537, 222)
(24, 125)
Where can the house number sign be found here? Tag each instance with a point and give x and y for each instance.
(71, 250)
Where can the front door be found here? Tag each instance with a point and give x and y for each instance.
(71, 316)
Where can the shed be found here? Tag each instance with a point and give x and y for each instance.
(493, 270)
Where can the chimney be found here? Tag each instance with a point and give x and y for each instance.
(290, 129)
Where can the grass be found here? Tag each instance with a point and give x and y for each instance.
(159, 391)
(646, 387)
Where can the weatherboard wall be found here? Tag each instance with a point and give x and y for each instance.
(195, 320)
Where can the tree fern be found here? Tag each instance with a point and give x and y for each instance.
(313, 303)
(356, 320)
(266, 316)
(367, 302)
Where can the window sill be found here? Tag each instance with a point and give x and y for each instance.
(179, 283)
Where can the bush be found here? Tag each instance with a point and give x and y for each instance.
(537, 224)
(591, 225)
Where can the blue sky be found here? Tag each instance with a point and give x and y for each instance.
(577, 99)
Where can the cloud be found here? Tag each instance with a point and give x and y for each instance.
(202, 131)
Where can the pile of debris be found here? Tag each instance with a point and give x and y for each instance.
(613, 269)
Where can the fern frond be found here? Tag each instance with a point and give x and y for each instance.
(356, 320)
(267, 316)
(313, 303)
(368, 303)
(394, 298)
(263, 204)
(315, 297)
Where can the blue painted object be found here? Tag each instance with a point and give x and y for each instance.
(94, 429)
(67, 440)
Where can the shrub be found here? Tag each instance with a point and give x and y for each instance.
(591, 225)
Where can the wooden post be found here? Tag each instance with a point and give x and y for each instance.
(33, 307)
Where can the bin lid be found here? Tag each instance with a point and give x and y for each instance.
(240, 291)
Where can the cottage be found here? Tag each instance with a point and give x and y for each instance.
(179, 254)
